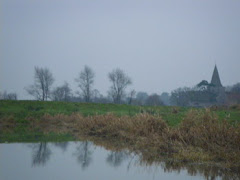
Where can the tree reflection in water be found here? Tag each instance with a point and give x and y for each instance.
(194, 169)
(83, 151)
(115, 159)
(84, 154)
(62, 145)
(41, 153)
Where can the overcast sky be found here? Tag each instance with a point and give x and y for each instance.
(161, 45)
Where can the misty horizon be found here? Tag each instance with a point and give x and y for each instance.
(160, 45)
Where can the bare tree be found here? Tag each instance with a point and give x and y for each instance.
(8, 96)
(119, 82)
(154, 100)
(181, 96)
(85, 81)
(236, 88)
(61, 93)
(141, 98)
(165, 98)
(43, 82)
(131, 96)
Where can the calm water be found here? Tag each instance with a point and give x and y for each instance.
(81, 160)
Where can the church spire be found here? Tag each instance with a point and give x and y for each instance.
(215, 78)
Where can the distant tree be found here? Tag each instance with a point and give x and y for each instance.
(203, 83)
(85, 81)
(141, 98)
(42, 84)
(62, 93)
(75, 98)
(131, 96)
(189, 96)
(236, 88)
(119, 81)
(96, 95)
(202, 86)
(165, 98)
(8, 96)
(180, 96)
(154, 100)
(12, 96)
(221, 98)
(233, 94)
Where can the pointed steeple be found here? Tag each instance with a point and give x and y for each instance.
(215, 78)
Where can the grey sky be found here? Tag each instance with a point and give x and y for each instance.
(161, 45)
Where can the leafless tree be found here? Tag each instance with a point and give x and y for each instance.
(154, 100)
(236, 88)
(141, 98)
(180, 96)
(97, 97)
(119, 82)
(85, 81)
(61, 93)
(8, 96)
(43, 82)
(165, 98)
(131, 96)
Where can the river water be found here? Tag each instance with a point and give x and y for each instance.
(84, 160)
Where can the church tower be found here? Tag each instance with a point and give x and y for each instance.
(215, 78)
(217, 88)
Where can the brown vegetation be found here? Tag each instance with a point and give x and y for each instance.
(200, 137)
(7, 124)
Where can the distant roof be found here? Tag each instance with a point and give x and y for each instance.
(215, 78)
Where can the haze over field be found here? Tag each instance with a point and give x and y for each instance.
(161, 45)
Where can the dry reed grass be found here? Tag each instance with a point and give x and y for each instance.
(7, 124)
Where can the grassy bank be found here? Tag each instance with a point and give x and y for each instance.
(184, 134)
(21, 110)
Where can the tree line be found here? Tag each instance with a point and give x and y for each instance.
(42, 89)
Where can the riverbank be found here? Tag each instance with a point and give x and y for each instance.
(199, 136)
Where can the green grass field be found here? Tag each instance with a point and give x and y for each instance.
(173, 115)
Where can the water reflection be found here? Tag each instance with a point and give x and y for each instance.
(209, 172)
(83, 153)
(41, 153)
(62, 145)
(115, 159)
